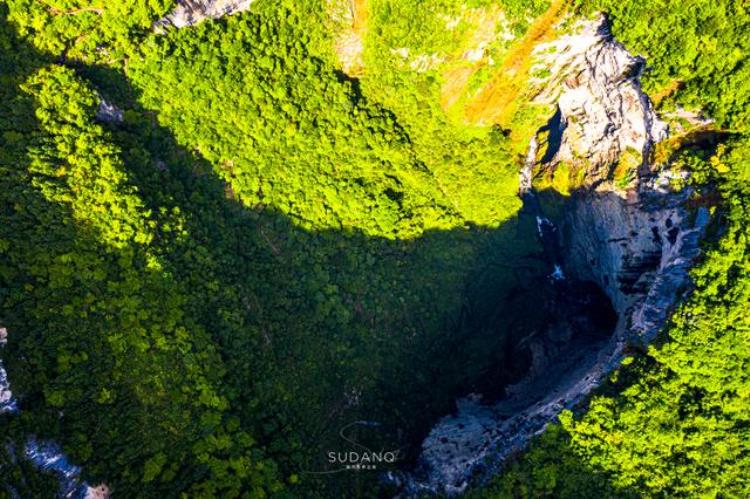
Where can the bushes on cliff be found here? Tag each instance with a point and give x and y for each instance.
(102, 336)
(201, 297)
(86, 30)
(683, 428)
(674, 422)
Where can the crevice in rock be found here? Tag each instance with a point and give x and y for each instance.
(554, 128)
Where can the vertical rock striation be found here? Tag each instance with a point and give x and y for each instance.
(603, 113)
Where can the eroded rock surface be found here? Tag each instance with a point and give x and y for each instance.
(7, 402)
(635, 242)
(595, 83)
(349, 40)
(109, 112)
(637, 248)
(190, 12)
(49, 457)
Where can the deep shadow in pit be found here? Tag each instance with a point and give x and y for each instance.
(285, 361)
(548, 322)
(573, 317)
(529, 337)
(552, 328)
(548, 328)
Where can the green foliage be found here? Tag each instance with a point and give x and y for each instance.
(551, 468)
(473, 168)
(195, 295)
(300, 141)
(201, 297)
(102, 337)
(92, 30)
(19, 475)
(674, 423)
(698, 46)
(682, 428)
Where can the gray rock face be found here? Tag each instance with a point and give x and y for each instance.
(637, 249)
(7, 401)
(595, 83)
(636, 244)
(48, 457)
(108, 112)
(190, 12)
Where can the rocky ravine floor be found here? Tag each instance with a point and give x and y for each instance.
(636, 244)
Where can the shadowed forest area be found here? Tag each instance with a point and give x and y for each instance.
(173, 338)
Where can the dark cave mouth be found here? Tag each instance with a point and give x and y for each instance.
(519, 348)
(526, 338)
(558, 330)
(554, 316)
(572, 321)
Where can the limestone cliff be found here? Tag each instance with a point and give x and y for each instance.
(602, 111)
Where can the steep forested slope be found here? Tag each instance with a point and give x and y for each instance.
(200, 296)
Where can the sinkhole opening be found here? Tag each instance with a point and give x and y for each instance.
(517, 343)
(549, 332)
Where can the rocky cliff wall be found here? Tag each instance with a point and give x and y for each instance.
(637, 248)
(634, 239)
(602, 111)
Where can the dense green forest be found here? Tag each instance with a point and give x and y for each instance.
(209, 285)
(200, 297)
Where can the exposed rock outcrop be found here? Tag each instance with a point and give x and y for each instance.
(108, 112)
(7, 402)
(190, 12)
(603, 112)
(638, 249)
(49, 457)
(636, 242)
(351, 18)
